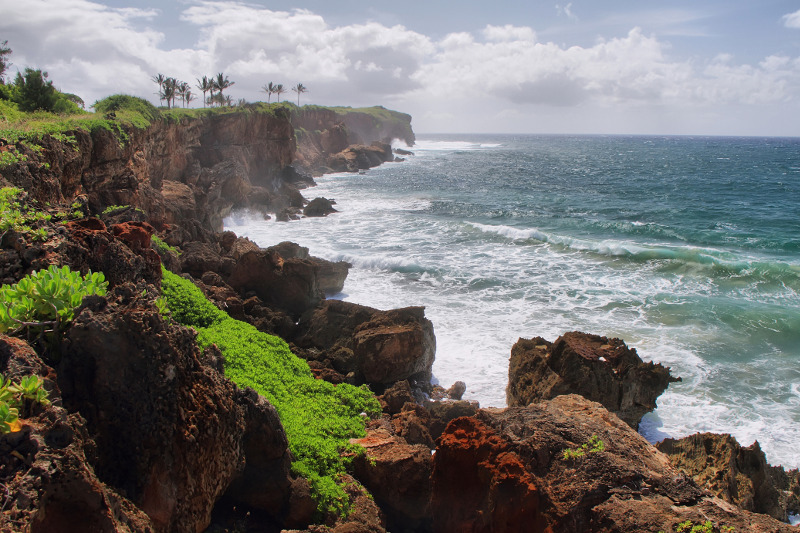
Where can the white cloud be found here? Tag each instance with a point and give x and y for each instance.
(94, 50)
(792, 20)
(566, 11)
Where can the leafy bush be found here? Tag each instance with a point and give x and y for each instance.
(46, 297)
(13, 396)
(16, 216)
(319, 418)
(124, 102)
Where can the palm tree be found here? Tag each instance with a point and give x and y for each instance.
(299, 89)
(159, 79)
(170, 91)
(205, 85)
(269, 89)
(279, 90)
(190, 96)
(183, 90)
(221, 82)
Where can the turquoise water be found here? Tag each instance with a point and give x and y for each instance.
(686, 248)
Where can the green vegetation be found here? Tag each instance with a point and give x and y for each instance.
(595, 445)
(46, 298)
(163, 247)
(319, 418)
(15, 215)
(299, 89)
(13, 396)
(705, 527)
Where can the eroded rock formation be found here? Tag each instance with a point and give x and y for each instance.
(600, 369)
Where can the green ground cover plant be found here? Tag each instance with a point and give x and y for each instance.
(163, 247)
(319, 418)
(595, 445)
(16, 215)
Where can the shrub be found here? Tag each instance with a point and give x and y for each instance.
(124, 102)
(163, 247)
(13, 396)
(319, 418)
(46, 297)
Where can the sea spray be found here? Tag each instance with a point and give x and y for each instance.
(686, 248)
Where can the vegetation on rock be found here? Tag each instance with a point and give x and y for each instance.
(16, 216)
(13, 396)
(46, 298)
(319, 418)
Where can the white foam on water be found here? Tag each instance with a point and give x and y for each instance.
(482, 293)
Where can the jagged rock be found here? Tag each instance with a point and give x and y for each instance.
(413, 424)
(386, 346)
(443, 412)
(319, 207)
(171, 434)
(736, 473)
(397, 474)
(395, 345)
(360, 157)
(395, 397)
(49, 483)
(506, 470)
(197, 258)
(601, 369)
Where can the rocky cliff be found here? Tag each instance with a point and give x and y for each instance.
(145, 432)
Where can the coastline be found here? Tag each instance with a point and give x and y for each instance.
(279, 289)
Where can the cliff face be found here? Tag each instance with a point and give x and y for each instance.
(199, 168)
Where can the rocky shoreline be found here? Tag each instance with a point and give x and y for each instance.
(145, 433)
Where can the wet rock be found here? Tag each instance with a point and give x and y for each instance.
(600, 369)
(319, 207)
(736, 473)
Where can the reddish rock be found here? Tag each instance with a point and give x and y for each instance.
(624, 485)
(135, 234)
(481, 485)
(397, 474)
(360, 157)
(736, 473)
(600, 369)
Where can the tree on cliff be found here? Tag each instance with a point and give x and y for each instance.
(5, 51)
(169, 91)
(221, 83)
(299, 89)
(35, 91)
(205, 85)
(279, 90)
(159, 79)
(269, 89)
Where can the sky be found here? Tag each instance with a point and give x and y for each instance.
(684, 67)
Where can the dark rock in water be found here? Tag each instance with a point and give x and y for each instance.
(735, 473)
(386, 346)
(319, 207)
(286, 277)
(401, 151)
(566, 465)
(600, 369)
(457, 390)
(361, 157)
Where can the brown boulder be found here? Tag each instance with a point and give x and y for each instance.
(600, 369)
(570, 466)
(319, 207)
(381, 347)
(395, 345)
(171, 434)
(736, 473)
(397, 474)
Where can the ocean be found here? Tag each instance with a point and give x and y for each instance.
(687, 248)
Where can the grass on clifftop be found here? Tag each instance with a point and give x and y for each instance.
(114, 113)
(319, 418)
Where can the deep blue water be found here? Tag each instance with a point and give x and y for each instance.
(688, 248)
